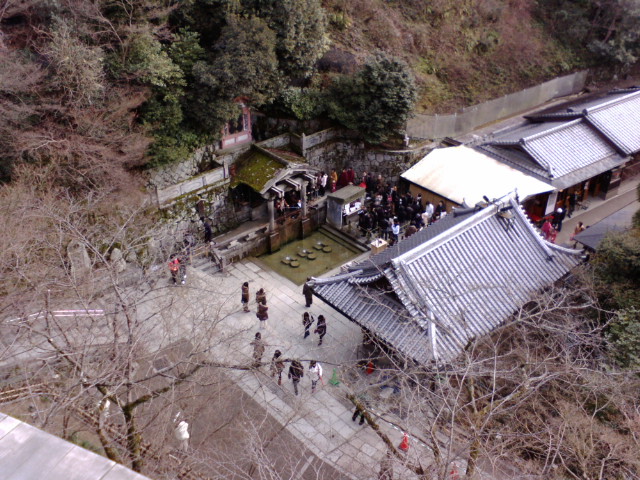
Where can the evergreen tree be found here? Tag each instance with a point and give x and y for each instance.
(243, 63)
(617, 267)
(377, 101)
(300, 31)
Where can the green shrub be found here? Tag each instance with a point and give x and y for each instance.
(377, 101)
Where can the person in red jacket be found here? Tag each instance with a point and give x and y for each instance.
(174, 268)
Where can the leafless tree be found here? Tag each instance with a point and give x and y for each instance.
(537, 398)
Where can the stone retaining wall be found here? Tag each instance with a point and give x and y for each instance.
(342, 153)
(470, 118)
(202, 160)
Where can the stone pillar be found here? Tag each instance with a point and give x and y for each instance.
(303, 195)
(270, 208)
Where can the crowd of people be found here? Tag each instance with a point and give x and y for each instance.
(278, 361)
(390, 214)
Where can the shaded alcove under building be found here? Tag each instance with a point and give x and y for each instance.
(263, 179)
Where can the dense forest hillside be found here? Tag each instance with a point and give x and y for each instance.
(144, 82)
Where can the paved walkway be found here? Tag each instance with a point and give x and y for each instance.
(321, 421)
(598, 210)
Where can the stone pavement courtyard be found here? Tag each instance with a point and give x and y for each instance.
(320, 421)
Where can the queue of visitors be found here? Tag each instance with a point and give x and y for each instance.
(389, 214)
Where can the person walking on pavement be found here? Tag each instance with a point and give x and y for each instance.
(244, 299)
(315, 373)
(558, 217)
(296, 372)
(321, 328)
(261, 297)
(307, 291)
(258, 350)
(174, 268)
(262, 314)
(277, 365)
(361, 408)
(579, 229)
(307, 321)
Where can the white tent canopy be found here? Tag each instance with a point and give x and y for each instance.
(464, 176)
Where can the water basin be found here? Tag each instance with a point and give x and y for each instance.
(327, 254)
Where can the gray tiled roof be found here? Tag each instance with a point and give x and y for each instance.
(454, 287)
(27, 453)
(619, 120)
(562, 153)
(409, 243)
(515, 158)
(615, 115)
(378, 312)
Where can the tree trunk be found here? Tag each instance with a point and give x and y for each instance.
(474, 451)
(134, 441)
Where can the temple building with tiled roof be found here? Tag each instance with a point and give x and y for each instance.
(433, 293)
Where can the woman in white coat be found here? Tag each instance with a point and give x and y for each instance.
(315, 373)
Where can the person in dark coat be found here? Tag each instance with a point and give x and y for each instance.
(383, 226)
(351, 176)
(558, 217)
(261, 297)
(440, 209)
(244, 299)
(307, 291)
(410, 230)
(361, 408)
(307, 321)
(573, 200)
(296, 372)
(321, 328)
(208, 232)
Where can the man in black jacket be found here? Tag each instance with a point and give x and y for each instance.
(307, 291)
(296, 372)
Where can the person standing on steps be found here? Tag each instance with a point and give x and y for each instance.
(277, 365)
(244, 299)
(315, 373)
(258, 350)
(321, 328)
(296, 372)
(307, 321)
(307, 291)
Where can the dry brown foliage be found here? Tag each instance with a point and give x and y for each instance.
(462, 52)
